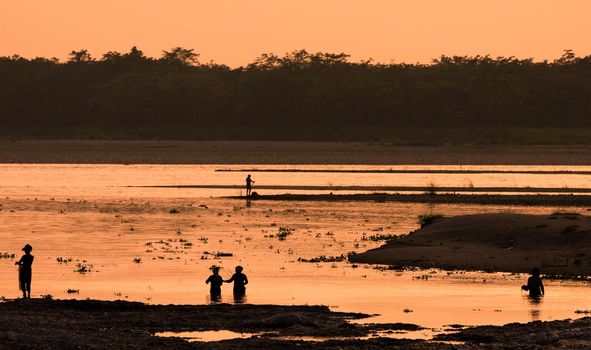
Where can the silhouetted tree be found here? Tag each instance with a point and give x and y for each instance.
(181, 56)
(298, 96)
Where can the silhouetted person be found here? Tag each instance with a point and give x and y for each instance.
(215, 284)
(240, 281)
(25, 272)
(535, 286)
(249, 183)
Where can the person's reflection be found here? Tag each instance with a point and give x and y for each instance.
(214, 299)
(248, 202)
(535, 306)
(240, 299)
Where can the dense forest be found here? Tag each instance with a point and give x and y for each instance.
(298, 96)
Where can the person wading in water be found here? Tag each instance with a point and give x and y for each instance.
(240, 281)
(215, 283)
(249, 183)
(534, 285)
(25, 271)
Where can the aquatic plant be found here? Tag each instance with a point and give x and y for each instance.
(379, 237)
(137, 260)
(223, 254)
(47, 296)
(7, 256)
(284, 232)
(61, 260)
(83, 268)
(174, 211)
(324, 258)
(72, 291)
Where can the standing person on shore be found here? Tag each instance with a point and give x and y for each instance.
(534, 285)
(215, 283)
(240, 281)
(25, 271)
(249, 183)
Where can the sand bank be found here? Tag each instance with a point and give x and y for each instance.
(557, 244)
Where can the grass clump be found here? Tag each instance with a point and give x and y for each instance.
(324, 258)
(284, 232)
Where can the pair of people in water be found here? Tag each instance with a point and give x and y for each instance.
(215, 282)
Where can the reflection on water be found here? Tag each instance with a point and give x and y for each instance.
(535, 307)
(136, 248)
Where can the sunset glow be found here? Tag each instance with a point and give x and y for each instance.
(235, 32)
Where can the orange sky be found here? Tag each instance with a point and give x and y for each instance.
(235, 32)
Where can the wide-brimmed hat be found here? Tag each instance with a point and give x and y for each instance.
(27, 248)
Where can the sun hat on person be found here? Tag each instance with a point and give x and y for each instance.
(27, 248)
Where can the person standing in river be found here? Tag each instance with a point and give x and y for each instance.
(25, 272)
(249, 183)
(215, 282)
(534, 285)
(240, 281)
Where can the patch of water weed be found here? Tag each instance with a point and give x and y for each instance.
(83, 268)
(137, 260)
(61, 260)
(223, 254)
(73, 291)
(174, 211)
(283, 233)
(583, 312)
(428, 219)
(7, 256)
(47, 296)
(324, 258)
(379, 237)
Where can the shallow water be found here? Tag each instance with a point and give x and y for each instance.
(85, 213)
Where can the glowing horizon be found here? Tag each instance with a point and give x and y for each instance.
(236, 32)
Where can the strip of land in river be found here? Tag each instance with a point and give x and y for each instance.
(407, 171)
(429, 189)
(566, 200)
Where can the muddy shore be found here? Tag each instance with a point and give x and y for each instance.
(91, 324)
(557, 243)
(249, 152)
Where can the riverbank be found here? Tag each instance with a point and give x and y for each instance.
(277, 152)
(557, 243)
(71, 324)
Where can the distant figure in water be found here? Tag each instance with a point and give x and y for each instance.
(215, 284)
(535, 286)
(249, 183)
(25, 271)
(240, 281)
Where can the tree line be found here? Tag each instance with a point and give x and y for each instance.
(297, 96)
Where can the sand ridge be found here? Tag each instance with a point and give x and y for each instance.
(558, 244)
